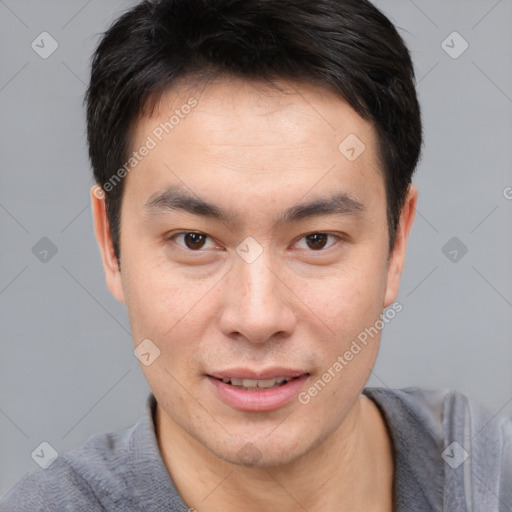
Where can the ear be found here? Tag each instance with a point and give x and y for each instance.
(102, 232)
(397, 258)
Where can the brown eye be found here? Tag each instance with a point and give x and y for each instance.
(316, 240)
(194, 240)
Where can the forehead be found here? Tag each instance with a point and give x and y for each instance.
(252, 136)
(251, 112)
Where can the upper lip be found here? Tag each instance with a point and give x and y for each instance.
(264, 374)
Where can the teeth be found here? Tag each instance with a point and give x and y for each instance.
(267, 383)
(251, 384)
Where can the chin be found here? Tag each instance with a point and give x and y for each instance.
(266, 452)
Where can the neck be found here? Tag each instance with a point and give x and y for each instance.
(350, 470)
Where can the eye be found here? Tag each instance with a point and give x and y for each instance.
(191, 240)
(194, 241)
(317, 241)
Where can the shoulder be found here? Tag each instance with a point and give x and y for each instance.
(57, 488)
(79, 479)
(445, 429)
(119, 471)
(443, 411)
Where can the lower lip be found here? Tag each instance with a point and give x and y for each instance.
(264, 400)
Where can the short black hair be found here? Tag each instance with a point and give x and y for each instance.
(346, 46)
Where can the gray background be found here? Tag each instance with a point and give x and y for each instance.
(67, 369)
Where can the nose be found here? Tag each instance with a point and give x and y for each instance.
(258, 303)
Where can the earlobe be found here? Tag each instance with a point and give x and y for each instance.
(397, 258)
(103, 237)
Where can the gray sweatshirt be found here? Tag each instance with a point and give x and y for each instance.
(450, 455)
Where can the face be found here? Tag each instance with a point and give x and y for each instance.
(254, 246)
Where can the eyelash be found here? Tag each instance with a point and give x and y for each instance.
(179, 233)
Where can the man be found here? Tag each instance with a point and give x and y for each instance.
(253, 201)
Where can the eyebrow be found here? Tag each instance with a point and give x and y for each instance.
(175, 198)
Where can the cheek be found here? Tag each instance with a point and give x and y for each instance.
(348, 299)
(350, 306)
(163, 306)
(173, 317)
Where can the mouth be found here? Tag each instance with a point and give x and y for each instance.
(256, 385)
(257, 391)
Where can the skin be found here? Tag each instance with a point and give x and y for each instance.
(257, 151)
